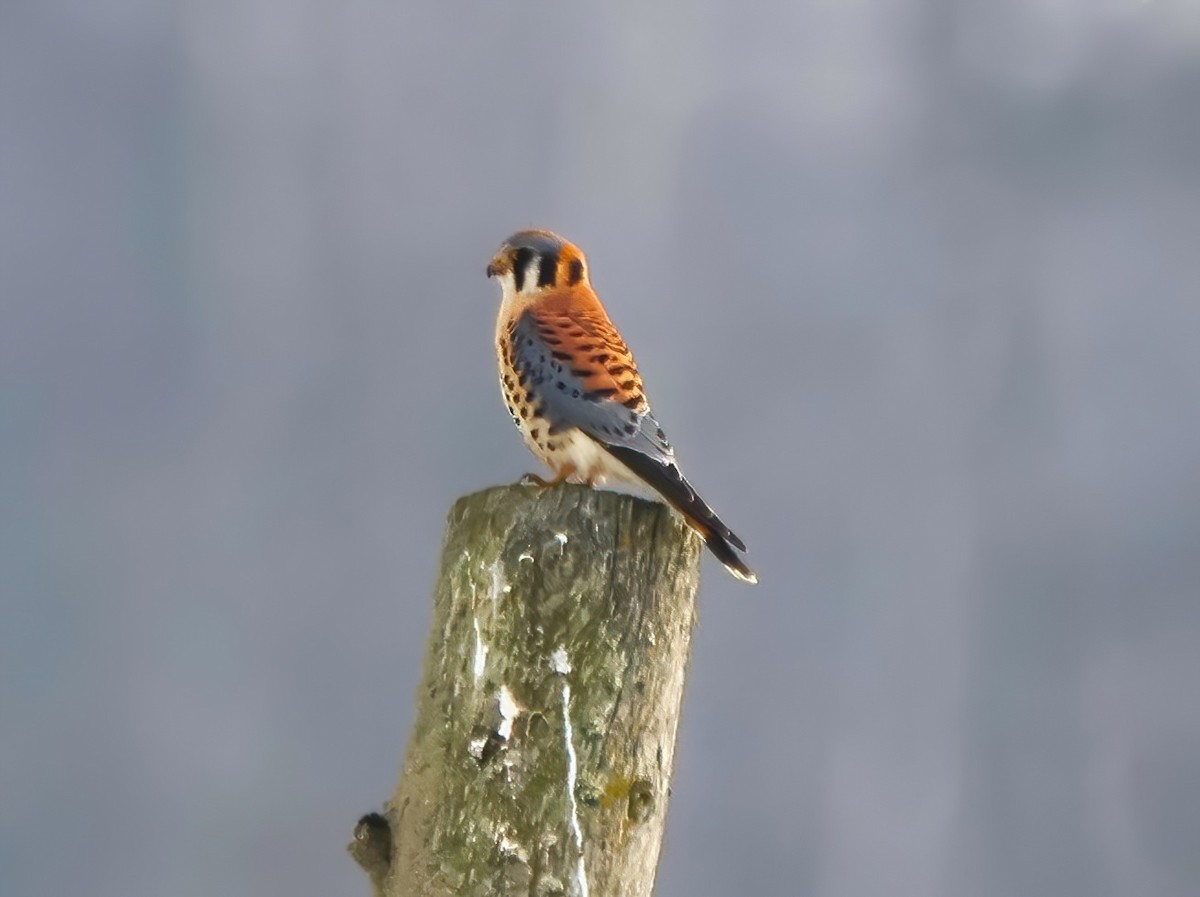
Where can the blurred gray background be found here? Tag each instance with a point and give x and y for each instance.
(915, 287)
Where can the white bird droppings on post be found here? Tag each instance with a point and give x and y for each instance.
(476, 745)
(481, 651)
(499, 586)
(508, 712)
(561, 664)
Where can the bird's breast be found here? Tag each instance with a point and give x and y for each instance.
(521, 401)
(556, 447)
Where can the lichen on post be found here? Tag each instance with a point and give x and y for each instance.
(547, 712)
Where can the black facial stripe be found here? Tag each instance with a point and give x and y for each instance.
(574, 272)
(548, 270)
(520, 262)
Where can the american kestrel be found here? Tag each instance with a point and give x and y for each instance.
(573, 390)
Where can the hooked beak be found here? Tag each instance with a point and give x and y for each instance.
(492, 270)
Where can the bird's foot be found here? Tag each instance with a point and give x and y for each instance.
(532, 479)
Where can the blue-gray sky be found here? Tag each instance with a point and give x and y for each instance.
(915, 287)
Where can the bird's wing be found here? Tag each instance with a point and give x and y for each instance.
(585, 377)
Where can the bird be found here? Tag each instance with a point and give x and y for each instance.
(573, 389)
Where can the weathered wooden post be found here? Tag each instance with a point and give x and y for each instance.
(546, 717)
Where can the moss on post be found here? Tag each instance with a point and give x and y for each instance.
(547, 711)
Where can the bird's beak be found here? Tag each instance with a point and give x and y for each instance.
(492, 270)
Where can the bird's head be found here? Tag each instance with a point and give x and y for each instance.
(534, 260)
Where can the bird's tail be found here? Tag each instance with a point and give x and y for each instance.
(668, 481)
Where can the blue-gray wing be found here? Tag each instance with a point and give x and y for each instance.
(584, 377)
